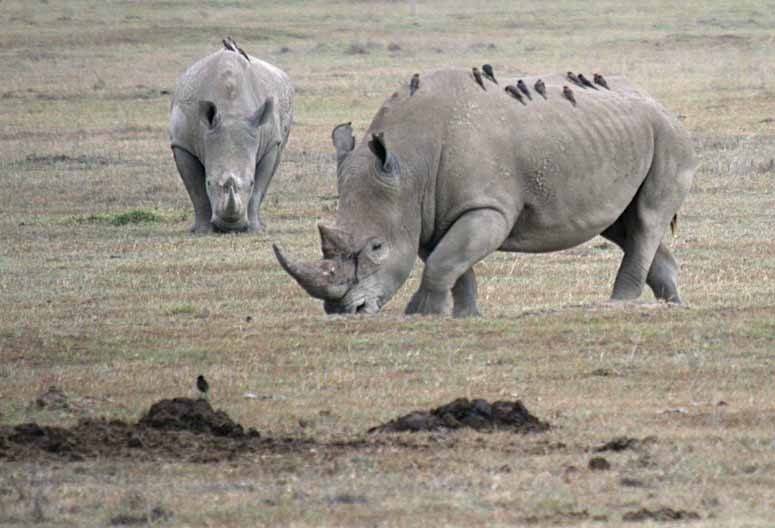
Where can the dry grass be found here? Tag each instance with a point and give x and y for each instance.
(121, 314)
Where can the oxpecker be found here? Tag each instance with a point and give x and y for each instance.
(568, 94)
(478, 77)
(586, 82)
(514, 92)
(600, 80)
(572, 78)
(489, 73)
(523, 88)
(540, 87)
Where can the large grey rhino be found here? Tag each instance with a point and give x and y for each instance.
(230, 118)
(459, 170)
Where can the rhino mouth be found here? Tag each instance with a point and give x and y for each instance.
(221, 225)
(360, 306)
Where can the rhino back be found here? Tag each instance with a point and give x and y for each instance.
(559, 173)
(236, 86)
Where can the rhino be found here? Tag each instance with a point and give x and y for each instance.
(454, 173)
(230, 118)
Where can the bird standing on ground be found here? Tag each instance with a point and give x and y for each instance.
(514, 92)
(489, 73)
(572, 78)
(600, 80)
(586, 82)
(202, 385)
(478, 77)
(568, 94)
(414, 84)
(523, 88)
(540, 87)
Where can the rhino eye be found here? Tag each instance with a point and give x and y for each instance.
(376, 246)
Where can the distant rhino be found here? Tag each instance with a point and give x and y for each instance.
(455, 173)
(230, 119)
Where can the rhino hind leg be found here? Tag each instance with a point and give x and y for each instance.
(448, 272)
(662, 275)
(464, 296)
(192, 172)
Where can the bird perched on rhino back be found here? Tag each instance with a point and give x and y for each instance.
(586, 82)
(417, 184)
(540, 87)
(598, 79)
(568, 94)
(478, 77)
(522, 87)
(514, 92)
(229, 121)
(489, 73)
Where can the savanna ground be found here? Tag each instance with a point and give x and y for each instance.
(106, 295)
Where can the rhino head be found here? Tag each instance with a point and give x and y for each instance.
(231, 145)
(370, 252)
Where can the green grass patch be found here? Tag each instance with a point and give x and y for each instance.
(135, 216)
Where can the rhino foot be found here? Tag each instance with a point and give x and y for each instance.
(256, 227)
(425, 302)
(202, 229)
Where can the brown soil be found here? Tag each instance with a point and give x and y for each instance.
(180, 428)
(475, 414)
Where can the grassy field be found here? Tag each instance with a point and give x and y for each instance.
(106, 295)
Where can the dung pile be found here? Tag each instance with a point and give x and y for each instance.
(180, 428)
(478, 414)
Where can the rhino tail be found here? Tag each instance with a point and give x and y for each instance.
(674, 224)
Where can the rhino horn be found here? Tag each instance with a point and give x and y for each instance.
(231, 205)
(318, 278)
(334, 242)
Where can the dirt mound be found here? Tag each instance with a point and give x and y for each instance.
(181, 428)
(185, 414)
(475, 414)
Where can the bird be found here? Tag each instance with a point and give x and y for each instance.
(515, 93)
(489, 73)
(586, 82)
(202, 385)
(414, 84)
(523, 88)
(540, 87)
(600, 80)
(568, 93)
(231, 45)
(478, 77)
(572, 77)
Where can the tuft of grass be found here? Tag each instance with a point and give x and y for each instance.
(135, 216)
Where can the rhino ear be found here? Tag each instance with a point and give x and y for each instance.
(209, 114)
(264, 113)
(378, 148)
(344, 141)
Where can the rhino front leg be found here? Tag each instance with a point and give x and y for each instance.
(265, 169)
(472, 237)
(192, 172)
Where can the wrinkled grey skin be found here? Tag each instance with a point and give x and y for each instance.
(229, 123)
(462, 172)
